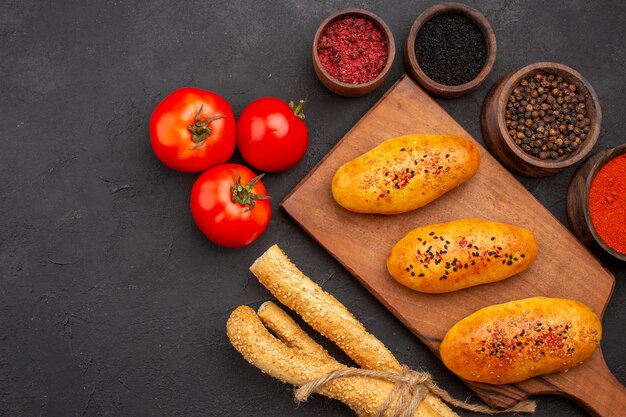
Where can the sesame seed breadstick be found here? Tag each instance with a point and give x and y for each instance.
(321, 310)
(332, 319)
(283, 326)
(248, 335)
(258, 346)
(251, 338)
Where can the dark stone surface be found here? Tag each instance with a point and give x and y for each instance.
(112, 303)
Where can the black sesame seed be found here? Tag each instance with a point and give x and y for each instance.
(493, 238)
(451, 49)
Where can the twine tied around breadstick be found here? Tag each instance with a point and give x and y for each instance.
(410, 388)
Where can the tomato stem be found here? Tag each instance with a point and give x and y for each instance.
(200, 130)
(243, 194)
(297, 109)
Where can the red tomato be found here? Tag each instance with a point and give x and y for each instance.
(230, 205)
(271, 135)
(193, 130)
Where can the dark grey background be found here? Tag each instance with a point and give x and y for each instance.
(112, 303)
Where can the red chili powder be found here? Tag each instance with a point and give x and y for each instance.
(352, 50)
(607, 203)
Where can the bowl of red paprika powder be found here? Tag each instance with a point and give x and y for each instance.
(353, 50)
(596, 201)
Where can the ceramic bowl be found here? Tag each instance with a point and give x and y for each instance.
(413, 67)
(578, 200)
(345, 89)
(504, 148)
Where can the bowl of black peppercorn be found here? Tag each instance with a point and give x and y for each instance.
(450, 50)
(541, 119)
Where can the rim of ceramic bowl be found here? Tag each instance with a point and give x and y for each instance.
(581, 83)
(597, 166)
(391, 50)
(481, 22)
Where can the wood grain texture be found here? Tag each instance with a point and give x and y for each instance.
(564, 268)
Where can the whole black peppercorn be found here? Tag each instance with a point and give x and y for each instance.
(546, 116)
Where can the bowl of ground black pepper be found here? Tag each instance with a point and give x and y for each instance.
(541, 119)
(596, 201)
(450, 50)
(353, 50)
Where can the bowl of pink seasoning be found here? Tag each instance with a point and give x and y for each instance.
(353, 50)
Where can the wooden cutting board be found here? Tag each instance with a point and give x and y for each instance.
(360, 242)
